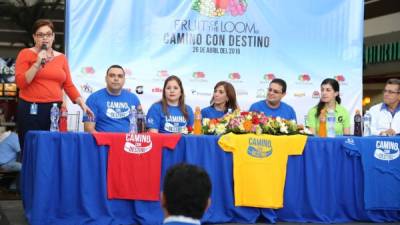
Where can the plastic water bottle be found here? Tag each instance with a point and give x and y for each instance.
(357, 123)
(330, 122)
(132, 120)
(367, 124)
(306, 121)
(141, 126)
(54, 117)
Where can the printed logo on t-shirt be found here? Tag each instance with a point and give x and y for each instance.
(138, 143)
(175, 124)
(259, 148)
(350, 141)
(386, 150)
(117, 110)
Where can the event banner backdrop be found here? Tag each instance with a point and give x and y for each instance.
(245, 42)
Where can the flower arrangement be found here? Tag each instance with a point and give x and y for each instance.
(250, 122)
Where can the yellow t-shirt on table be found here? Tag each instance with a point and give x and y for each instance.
(259, 166)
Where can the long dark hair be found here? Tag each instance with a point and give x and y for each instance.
(182, 105)
(335, 85)
(230, 93)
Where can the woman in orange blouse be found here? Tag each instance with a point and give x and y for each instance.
(41, 75)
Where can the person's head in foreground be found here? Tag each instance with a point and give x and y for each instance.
(186, 191)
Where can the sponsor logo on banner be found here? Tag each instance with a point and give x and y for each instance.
(267, 78)
(261, 93)
(198, 93)
(316, 94)
(88, 70)
(86, 88)
(304, 79)
(161, 75)
(341, 79)
(198, 77)
(241, 92)
(138, 143)
(129, 74)
(259, 147)
(299, 94)
(139, 89)
(218, 8)
(235, 77)
(156, 90)
(386, 150)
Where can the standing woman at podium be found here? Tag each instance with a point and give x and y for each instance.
(41, 76)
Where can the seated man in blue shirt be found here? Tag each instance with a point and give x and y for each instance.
(111, 105)
(273, 106)
(186, 194)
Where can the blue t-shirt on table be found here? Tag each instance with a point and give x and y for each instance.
(284, 110)
(381, 166)
(175, 122)
(211, 113)
(111, 111)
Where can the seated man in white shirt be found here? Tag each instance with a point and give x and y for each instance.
(186, 194)
(385, 116)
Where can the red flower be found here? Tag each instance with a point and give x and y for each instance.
(255, 120)
(190, 129)
(244, 113)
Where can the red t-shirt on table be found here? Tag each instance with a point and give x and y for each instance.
(134, 163)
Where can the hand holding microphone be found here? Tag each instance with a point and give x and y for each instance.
(42, 55)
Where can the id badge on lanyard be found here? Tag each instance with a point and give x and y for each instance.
(34, 109)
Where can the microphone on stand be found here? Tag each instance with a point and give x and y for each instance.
(44, 47)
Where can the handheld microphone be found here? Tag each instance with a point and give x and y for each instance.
(44, 47)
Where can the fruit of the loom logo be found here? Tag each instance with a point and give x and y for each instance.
(315, 94)
(304, 77)
(87, 70)
(163, 73)
(234, 76)
(128, 72)
(216, 8)
(269, 76)
(199, 75)
(340, 78)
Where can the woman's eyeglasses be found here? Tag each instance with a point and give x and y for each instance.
(44, 35)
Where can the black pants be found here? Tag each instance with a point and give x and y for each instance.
(27, 122)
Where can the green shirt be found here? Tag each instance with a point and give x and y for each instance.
(342, 119)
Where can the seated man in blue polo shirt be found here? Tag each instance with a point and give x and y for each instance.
(273, 106)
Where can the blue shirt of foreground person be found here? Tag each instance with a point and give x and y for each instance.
(186, 194)
(111, 105)
(273, 106)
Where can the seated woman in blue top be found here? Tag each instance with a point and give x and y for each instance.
(224, 98)
(170, 114)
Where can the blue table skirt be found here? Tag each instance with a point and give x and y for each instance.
(64, 183)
